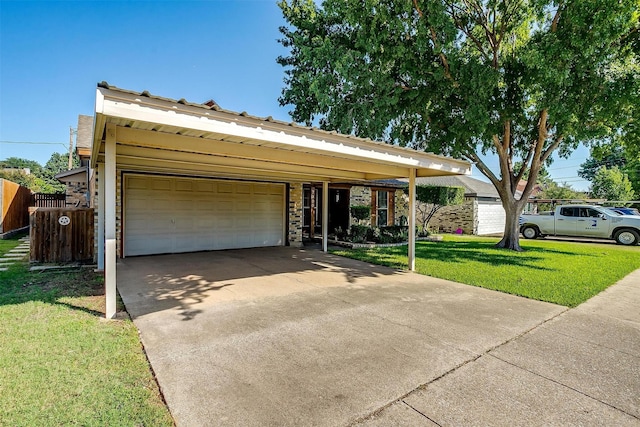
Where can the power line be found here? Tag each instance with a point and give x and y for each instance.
(34, 143)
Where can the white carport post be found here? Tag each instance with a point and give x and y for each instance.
(412, 220)
(101, 189)
(110, 220)
(325, 216)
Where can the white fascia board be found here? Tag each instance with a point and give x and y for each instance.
(139, 108)
(97, 120)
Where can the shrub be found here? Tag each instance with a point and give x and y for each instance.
(360, 212)
(359, 233)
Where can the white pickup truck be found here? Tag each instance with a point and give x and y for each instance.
(583, 221)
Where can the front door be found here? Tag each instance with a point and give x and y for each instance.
(338, 209)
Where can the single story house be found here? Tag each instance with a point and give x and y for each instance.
(175, 176)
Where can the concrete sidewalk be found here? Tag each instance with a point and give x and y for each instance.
(289, 337)
(580, 368)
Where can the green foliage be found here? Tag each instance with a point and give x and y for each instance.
(626, 157)
(555, 191)
(31, 181)
(611, 184)
(544, 178)
(442, 196)
(40, 179)
(18, 163)
(467, 77)
(564, 273)
(366, 234)
(360, 212)
(430, 199)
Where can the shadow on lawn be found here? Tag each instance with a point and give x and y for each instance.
(78, 288)
(484, 252)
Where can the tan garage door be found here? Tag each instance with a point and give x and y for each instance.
(170, 214)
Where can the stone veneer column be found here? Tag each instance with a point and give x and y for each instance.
(295, 214)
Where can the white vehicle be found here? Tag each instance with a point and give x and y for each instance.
(583, 221)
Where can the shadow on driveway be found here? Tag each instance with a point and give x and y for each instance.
(283, 336)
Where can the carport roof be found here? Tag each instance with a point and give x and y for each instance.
(153, 133)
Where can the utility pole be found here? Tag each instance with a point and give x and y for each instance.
(70, 148)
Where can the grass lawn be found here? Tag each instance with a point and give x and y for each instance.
(565, 273)
(61, 363)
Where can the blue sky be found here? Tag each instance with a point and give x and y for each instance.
(53, 53)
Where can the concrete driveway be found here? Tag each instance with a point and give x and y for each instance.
(289, 337)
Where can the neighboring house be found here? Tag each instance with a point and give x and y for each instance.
(482, 212)
(535, 192)
(77, 186)
(78, 180)
(174, 176)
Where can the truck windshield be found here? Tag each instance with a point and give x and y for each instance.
(611, 212)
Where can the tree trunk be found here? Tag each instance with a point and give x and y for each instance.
(511, 238)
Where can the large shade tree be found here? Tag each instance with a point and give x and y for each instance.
(519, 79)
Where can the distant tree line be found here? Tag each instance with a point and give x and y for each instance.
(40, 179)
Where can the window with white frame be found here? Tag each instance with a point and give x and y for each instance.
(382, 208)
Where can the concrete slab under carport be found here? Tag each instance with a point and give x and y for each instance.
(282, 336)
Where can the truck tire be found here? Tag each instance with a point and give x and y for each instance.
(530, 232)
(627, 237)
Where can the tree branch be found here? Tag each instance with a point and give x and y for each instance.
(525, 163)
(434, 39)
(556, 142)
(465, 29)
(484, 168)
(556, 18)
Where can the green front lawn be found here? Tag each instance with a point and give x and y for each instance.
(8, 244)
(61, 363)
(565, 273)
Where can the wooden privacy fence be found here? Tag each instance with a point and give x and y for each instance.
(62, 235)
(14, 206)
(55, 200)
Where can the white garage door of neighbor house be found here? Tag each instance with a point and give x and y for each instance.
(491, 218)
(171, 215)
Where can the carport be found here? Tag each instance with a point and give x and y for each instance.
(261, 160)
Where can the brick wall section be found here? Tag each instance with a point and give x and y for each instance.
(359, 196)
(118, 212)
(295, 214)
(450, 218)
(447, 219)
(95, 203)
(76, 194)
(401, 211)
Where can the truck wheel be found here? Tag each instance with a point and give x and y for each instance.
(627, 237)
(530, 232)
